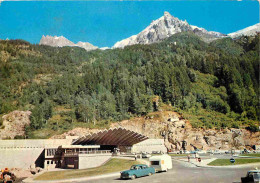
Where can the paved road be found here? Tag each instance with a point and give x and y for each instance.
(183, 172)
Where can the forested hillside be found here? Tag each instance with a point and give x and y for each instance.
(213, 85)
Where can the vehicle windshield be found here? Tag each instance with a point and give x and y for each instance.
(133, 167)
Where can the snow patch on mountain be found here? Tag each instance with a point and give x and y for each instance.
(249, 31)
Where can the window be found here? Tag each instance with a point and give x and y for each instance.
(155, 163)
(48, 162)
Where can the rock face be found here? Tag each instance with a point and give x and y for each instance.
(178, 133)
(249, 31)
(165, 27)
(87, 46)
(62, 41)
(14, 124)
(175, 130)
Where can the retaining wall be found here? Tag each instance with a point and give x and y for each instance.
(92, 160)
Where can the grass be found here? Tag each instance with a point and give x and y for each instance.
(114, 165)
(252, 155)
(225, 162)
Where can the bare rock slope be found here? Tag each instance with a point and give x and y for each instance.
(14, 124)
(175, 130)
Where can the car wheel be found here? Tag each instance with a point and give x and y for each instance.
(133, 177)
(150, 174)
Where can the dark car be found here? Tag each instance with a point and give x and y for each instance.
(252, 176)
(137, 171)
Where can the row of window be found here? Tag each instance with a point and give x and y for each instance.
(50, 162)
(17, 147)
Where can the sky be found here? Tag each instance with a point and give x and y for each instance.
(103, 23)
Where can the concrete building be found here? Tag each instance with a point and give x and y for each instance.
(27, 153)
(88, 151)
(150, 146)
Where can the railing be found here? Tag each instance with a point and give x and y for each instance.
(87, 152)
(95, 152)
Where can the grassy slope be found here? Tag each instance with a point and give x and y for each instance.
(114, 165)
(225, 162)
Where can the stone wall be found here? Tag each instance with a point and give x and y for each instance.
(92, 160)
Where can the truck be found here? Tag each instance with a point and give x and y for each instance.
(161, 163)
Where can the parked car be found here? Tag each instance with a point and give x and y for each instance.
(217, 152)
(161, 163)
(252, 176)
(137, 171)
(246, 151)
(210, 151)
(146, 155)
(201, 152)
(228, 152)
(186, 152)
(156, 152)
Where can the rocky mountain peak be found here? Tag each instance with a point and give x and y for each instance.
(60, 41)
(56, 41)
(164, 27)
(166, 14)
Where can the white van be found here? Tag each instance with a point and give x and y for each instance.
(161, 163)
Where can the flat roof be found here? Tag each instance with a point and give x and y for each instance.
(112, 136)
(80, 146)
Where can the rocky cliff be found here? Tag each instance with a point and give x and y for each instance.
(14, 124)
(175, 130)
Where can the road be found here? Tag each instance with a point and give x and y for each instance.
(184, 173)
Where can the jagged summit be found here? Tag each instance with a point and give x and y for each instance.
(164, 27)
(60, 41)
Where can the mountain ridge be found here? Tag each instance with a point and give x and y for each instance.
(157, 31)
(248, 31)
(164, 27)
(60, 41)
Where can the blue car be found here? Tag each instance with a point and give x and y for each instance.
(137, 171)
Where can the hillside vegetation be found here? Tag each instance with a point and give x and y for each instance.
(213, 85)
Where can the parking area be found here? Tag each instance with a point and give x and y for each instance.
(184, 172)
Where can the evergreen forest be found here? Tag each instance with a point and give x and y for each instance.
(213, 85)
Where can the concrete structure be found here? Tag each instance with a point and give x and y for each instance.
(88, 151)
(112, 137)
(150, 145)
(26, 153)
(93, 160)
(75, 156)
